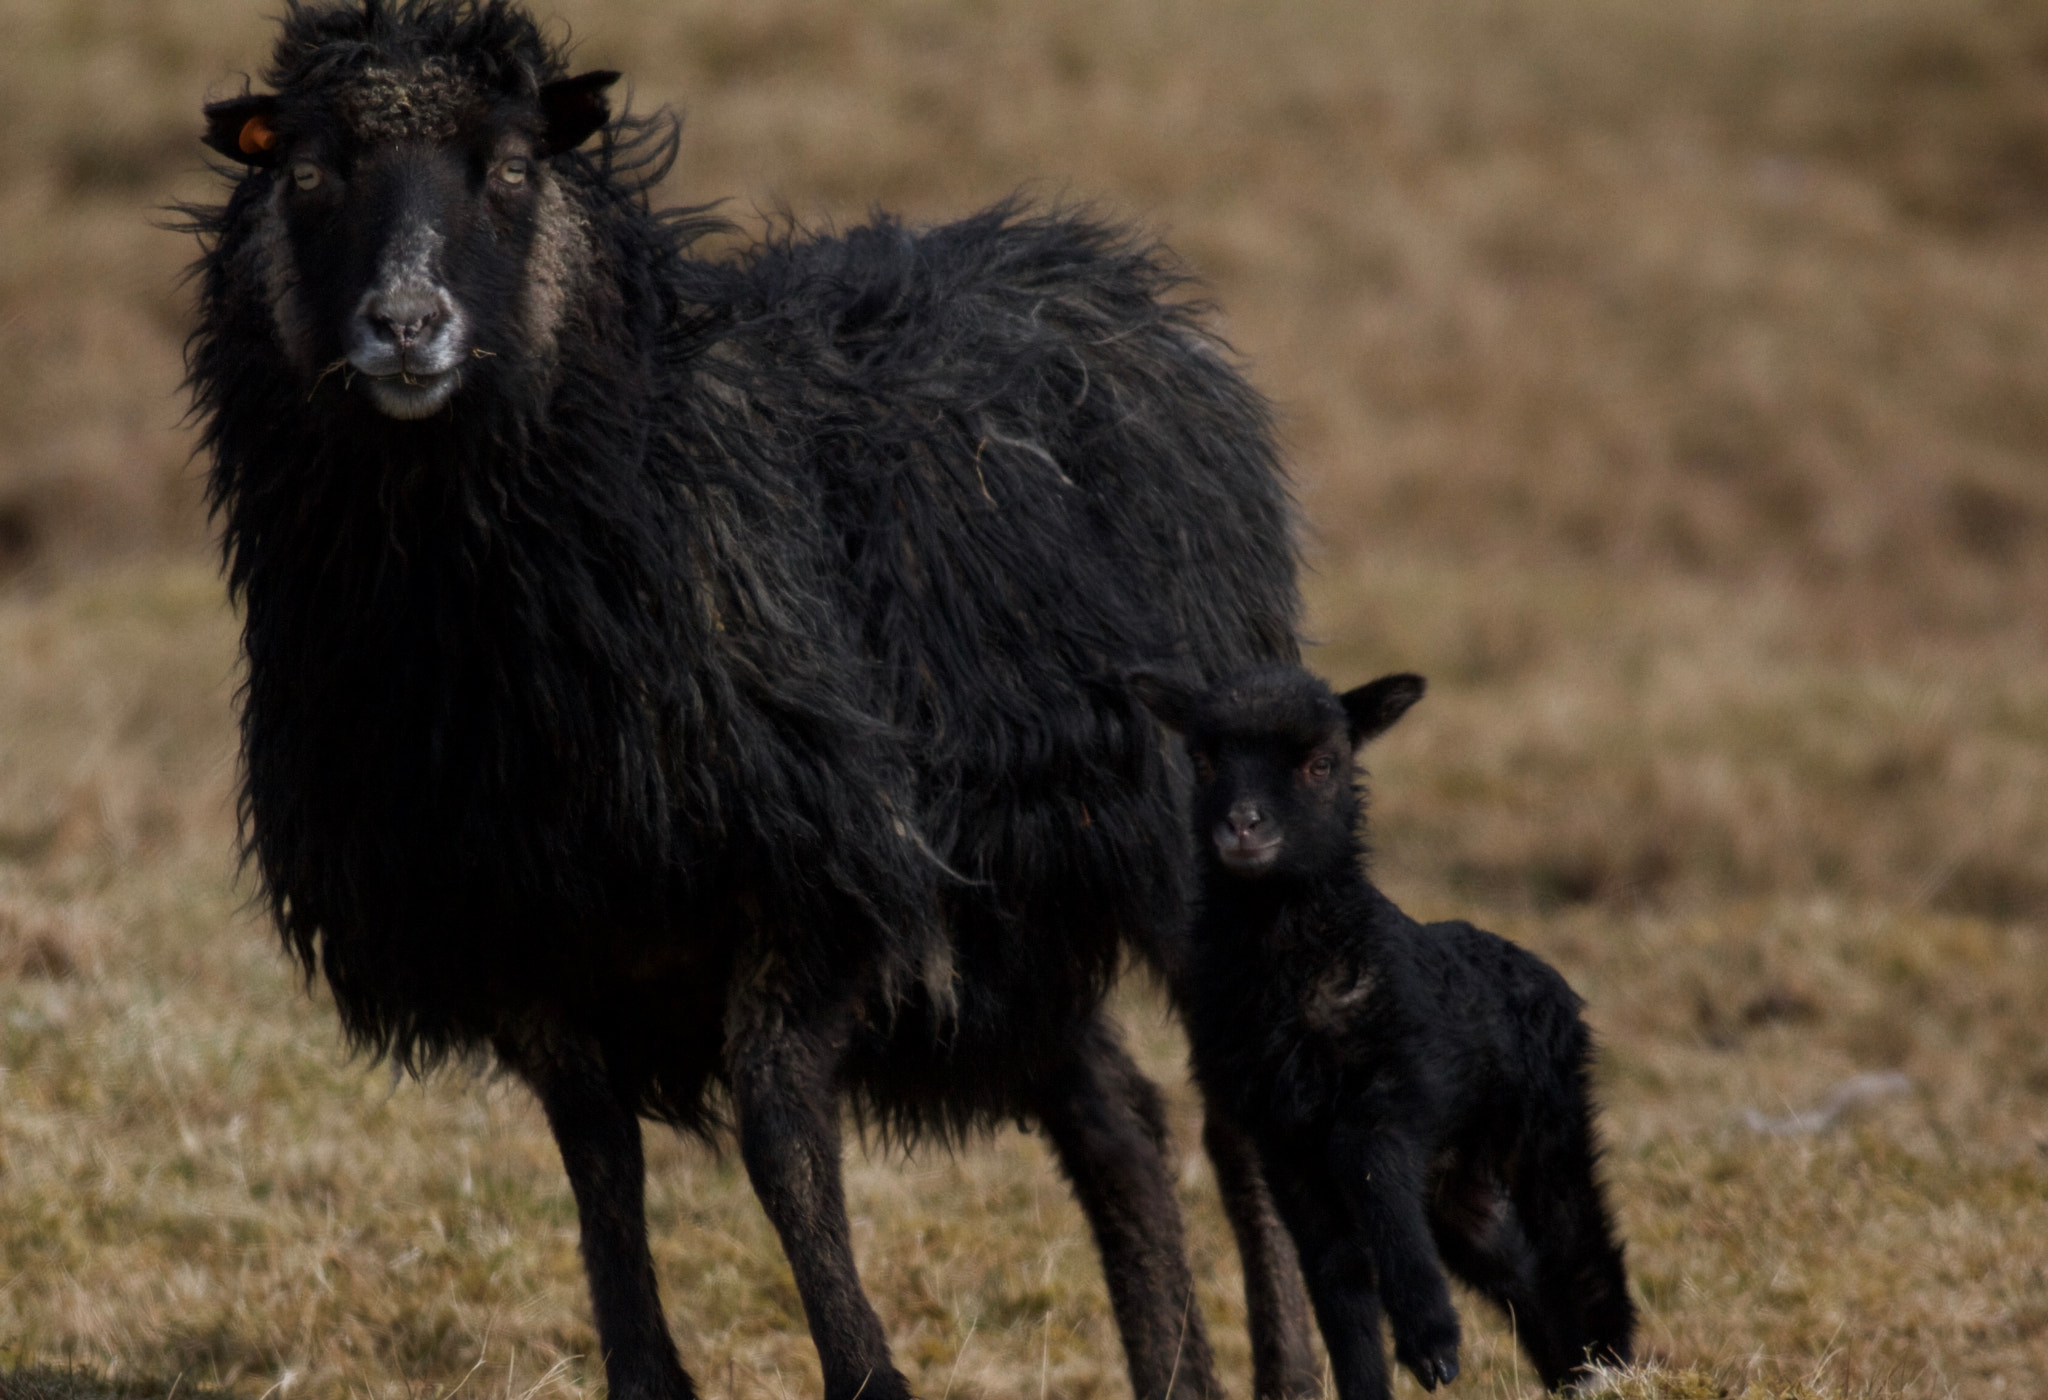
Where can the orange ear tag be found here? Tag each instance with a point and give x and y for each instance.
(256, 136)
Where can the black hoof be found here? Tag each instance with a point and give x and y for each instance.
(1432, 1358)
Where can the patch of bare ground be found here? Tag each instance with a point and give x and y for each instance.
(1668, 383)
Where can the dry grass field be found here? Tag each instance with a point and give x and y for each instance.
(1669, 382)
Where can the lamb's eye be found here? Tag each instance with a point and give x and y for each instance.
(306, 175)
(1204, 769)
(513, 171)
(1321, 766)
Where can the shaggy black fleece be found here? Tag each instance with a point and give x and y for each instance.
(702, 710)
(1418, 1093)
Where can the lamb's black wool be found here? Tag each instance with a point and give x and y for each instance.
(1417, 1093)
(673, 675)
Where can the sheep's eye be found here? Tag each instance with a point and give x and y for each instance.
(1321, 766)
(1204, 769)
(306, 175)
(513, 171)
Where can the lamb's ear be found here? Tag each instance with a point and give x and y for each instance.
(243, 129)
(1373, 707)
(1171, 700)
(574, 108)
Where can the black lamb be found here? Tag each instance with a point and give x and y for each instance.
(1418, 1093)
(679, 676)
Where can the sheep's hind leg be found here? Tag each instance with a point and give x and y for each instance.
(1579, 1262)
(1105, 1122)
(784, 1068)
(1479, 1234)
(1283, 1359)
(598, 1132)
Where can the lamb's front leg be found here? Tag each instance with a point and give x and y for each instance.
(1339, 1273)
(1381, 1173)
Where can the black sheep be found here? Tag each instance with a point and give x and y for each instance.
(1417, 1092)
(674, 675)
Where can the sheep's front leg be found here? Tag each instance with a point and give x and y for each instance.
(783, 1069)
(1380, 1173)
(1283, 1361)
(598, 1133)
(1106, 1123)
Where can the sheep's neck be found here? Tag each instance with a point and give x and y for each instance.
(1278, 911)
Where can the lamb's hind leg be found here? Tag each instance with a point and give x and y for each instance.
(1105, 1121)
(598, 1131)
(784, 1066)
(1283, 1361)
(1480, 1236)
(1578, 1259)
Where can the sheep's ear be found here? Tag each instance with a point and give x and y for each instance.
(1373, 707)
(575, 108)
(243, 129)
(1171, 700)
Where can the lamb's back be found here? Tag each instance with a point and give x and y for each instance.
(1502, 1002)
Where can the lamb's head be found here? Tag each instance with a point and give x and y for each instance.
(410, 222)
(1273, 753)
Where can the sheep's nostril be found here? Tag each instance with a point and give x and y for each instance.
(408, 334)
(406, 326)
(1247, 840)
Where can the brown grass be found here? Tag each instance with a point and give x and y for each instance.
(1666, 382)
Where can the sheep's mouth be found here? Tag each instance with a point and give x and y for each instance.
(1245, 856)
(411, 394)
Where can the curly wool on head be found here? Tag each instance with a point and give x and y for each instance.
(432, 102)
(420, 52)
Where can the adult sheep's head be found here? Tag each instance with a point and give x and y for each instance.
(407, 222)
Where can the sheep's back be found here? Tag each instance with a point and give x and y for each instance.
(1034, 469)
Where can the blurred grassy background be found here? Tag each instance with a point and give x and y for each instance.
(1667, 382)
